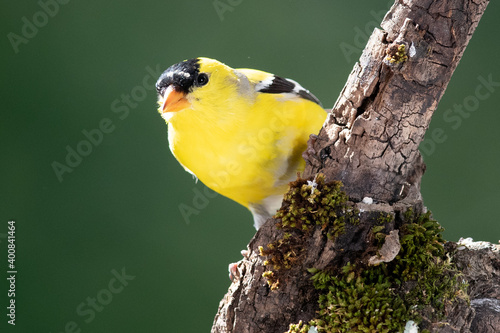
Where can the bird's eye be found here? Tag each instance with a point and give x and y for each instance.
(202, 79)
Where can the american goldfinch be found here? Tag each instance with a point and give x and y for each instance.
(240, 131)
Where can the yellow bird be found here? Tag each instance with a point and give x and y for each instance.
(241, 132)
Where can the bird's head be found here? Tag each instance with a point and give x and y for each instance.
(189, 82)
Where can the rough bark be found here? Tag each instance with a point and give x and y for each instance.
(370, 143)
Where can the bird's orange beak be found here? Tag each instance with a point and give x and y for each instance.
(173, 101)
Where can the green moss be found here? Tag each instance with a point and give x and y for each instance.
(396, 54)
(423, 264)
(421, 241)
(409, 214)
(283, 253)
(272, 281)
(378, 230)
(357, 301)
(309, 203)
(383, 298)
(418, 283)
(385, 218)
(306, 205)
(299, 328)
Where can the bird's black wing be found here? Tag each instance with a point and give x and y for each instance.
(279, 85)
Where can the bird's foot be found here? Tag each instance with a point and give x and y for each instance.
(234, 271)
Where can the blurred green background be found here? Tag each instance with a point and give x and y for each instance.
(93, 63)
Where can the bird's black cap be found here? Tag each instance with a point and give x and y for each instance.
(181, 75)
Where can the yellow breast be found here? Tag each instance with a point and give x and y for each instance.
(250, 151)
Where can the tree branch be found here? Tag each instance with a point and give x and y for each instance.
(385, 107)
(370, 142)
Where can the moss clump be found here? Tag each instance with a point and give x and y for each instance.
(385, 218)
(282, 253)
(421, 242)
(421, 279)
(396, 54)
(378, 230)
(272, 280)
(423, 268)
(299, 328)
(357, 301)
(307, 203)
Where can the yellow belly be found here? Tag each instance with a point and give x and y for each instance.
(249, 155)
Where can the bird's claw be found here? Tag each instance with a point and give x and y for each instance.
(234, 272)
